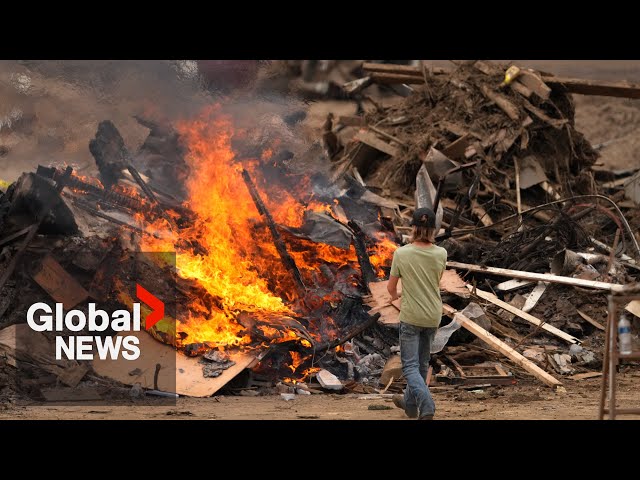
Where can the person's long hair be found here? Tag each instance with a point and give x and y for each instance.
(423, 234)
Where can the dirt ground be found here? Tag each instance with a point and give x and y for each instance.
(600, 119)
(525, 401)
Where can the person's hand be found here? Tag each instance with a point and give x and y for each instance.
(395, 297)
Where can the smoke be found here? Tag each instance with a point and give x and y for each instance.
(50, 109)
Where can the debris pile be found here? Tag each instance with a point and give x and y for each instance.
(278, 280)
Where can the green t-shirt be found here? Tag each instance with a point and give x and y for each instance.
(420, 269)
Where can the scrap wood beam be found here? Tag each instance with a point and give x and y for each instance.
(368, 274)
(594, 87)
(541, 277)
(490, 297)
(501, 346)
(287, 259)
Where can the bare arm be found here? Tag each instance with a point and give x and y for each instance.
(392, 287)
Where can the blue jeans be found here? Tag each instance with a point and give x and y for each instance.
(415, 351)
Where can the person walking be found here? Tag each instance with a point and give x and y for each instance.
(420, 265)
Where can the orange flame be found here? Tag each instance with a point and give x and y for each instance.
(227, 250)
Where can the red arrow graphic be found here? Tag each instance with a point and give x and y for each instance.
(157, 306)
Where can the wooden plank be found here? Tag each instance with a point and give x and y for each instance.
(501, 346)
(457, 366)
(534, 83)
(372, 140)
(481, 213)
(501, 371)
(178, 373)
(594, 87)
(534, 296)
(633, 307)
(584, 376)
(400, 69)
(556, 123)
(502, 102)
(510, 285)
(591, 320)
(524, 315)
(396, 78)
(61, 286)
(521, 88)
(544, 277)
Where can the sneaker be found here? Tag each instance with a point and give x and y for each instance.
(425, 417)
(398, 401)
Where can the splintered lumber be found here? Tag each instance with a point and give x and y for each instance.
(534, 83)
(287, 259)
(594, 87)
(490, 297)
(481, 213)
(590, 320)
(534, 296)
(501, 346)
(513, 285)
(502, 102)
(61, 286)
(543, 277)
(373, 141)
(366, 268)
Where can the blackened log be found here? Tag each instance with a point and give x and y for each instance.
(368, 274)
(110, 153)
(356, 331)
(287, 259)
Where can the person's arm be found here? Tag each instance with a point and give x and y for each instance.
(392, 287)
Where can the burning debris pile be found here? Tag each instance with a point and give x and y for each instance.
(263, 264)
(248, 259)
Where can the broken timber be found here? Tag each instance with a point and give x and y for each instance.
(502, 347)
(287, 259)
(366, 268)
(524, 315)
(543, 277)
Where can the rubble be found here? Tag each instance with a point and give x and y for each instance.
(509, 176)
